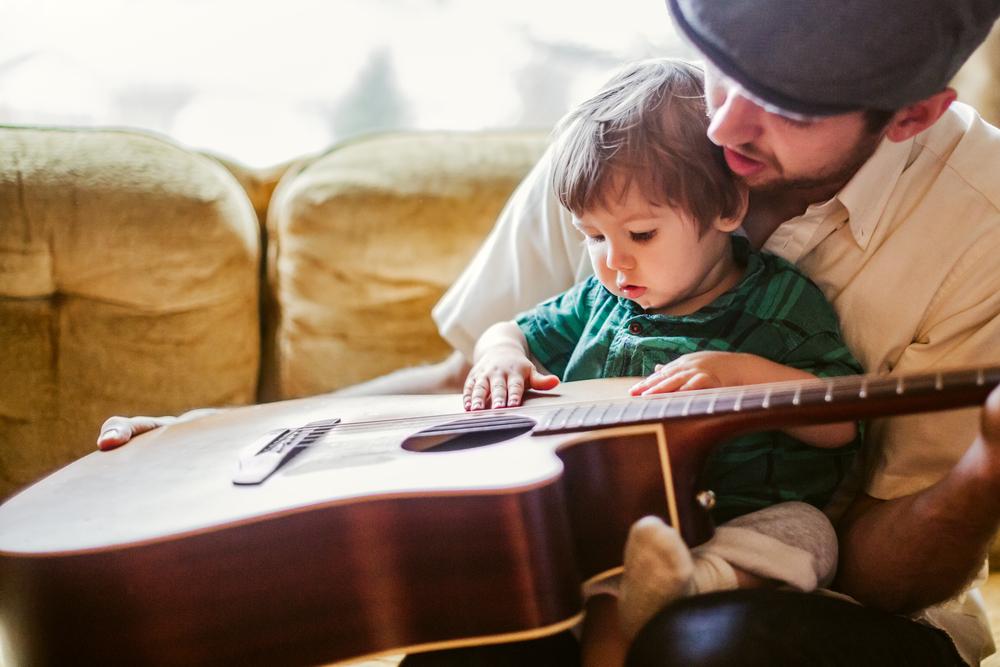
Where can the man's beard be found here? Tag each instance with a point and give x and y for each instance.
(833, 179)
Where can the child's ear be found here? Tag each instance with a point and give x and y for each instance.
(732, 223)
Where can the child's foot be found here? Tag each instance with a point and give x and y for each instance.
(658, 570)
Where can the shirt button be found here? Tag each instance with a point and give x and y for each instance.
(635, 328)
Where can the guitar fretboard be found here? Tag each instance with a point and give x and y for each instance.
(881, 394)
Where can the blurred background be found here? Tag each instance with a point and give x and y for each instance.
(265, 82)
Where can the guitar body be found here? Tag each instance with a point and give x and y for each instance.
(404, 526)
(362, 544)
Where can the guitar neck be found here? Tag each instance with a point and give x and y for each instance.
(784, 403)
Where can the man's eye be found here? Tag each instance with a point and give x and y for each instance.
(642, 237)
(795, 122)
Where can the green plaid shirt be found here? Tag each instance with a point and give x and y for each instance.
(774, 312)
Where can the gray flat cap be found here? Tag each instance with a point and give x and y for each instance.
(824, 57)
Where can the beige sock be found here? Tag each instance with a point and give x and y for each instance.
(712, 573)
(658, 570)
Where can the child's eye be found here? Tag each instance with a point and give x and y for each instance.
(596, 238)
(642, 237)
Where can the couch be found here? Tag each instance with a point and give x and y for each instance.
(141, 277)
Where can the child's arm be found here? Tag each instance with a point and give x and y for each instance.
(501, 370)
(709, 369)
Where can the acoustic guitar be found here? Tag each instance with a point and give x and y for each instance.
(326, 529)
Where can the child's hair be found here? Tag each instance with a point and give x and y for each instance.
(646, 127)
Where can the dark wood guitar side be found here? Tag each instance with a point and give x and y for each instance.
(386, 534)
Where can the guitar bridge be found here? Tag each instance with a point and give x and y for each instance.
(258, 462)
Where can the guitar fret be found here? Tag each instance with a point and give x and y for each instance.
(797, 398)
(828, 397)
(687, 407)
(899, 386)
(598, 418)
(698, 405)
(613, 417)
(739, 402)
(558, 419)
(632, 412)
(766, 403)
(583, 417)
(664, 406)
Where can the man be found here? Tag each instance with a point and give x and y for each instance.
(866, 174)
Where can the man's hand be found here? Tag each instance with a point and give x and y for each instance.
(117, 431)
(702, 370)
(501, 375)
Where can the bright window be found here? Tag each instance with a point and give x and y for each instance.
(266, 82)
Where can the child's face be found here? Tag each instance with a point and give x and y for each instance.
(654, 256)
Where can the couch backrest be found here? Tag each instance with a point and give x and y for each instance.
(128, 285)
(363, 241)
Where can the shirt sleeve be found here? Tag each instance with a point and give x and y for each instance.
(532, 253)
(554, 327)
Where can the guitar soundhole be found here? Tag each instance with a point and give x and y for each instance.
(469, 433)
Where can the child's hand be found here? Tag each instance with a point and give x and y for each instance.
(698, 370)
(502, 375)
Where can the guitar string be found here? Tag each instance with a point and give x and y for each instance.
(749, 392)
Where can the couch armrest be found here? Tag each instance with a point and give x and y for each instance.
(128, 284)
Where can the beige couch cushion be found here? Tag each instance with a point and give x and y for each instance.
(128, 284)
(365, 239)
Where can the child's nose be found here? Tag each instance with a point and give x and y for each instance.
(619, 260)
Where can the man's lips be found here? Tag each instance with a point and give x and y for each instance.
(740, 164)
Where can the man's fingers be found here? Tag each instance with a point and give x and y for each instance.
(116, 431)
(991, 417)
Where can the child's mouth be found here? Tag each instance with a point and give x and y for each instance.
(632, 291)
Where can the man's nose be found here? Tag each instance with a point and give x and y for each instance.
(736, 121)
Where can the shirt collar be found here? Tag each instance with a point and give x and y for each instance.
(866, 194)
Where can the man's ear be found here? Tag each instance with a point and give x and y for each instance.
(913, 119)
(733, 223)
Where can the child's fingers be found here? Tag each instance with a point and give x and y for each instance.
(480, 390)
(667, 383)
(498, 391)
(515, 390)
(467, 389)
(699, 380)
(543, 380)
(644, 384)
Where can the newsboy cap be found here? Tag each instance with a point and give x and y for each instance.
(824, 57)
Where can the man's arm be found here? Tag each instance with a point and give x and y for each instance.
(907, 553)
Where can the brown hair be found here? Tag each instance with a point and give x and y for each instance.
(646, 127)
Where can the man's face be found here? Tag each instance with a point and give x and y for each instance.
(772, 152)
